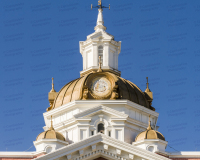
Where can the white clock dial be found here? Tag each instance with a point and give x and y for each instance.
(100, 86)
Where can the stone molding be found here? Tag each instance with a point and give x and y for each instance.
(21, 154)
(101, 138)
(128, 104)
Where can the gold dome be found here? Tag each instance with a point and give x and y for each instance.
(149, 134)
(119, 88)
(50, 134)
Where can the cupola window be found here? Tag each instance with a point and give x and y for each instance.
(101, 128)
(100, 53)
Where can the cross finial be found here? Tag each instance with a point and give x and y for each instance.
(100, 5)
(99, 70)
(52, 90)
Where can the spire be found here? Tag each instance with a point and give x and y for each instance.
(52, 90)
(100, 22)
(149, 126)
(147, 89)
(51, 128)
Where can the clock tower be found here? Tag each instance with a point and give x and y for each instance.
(102, 44)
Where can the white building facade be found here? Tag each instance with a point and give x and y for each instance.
(100, 115)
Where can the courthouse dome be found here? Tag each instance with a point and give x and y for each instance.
(149, 134)
(50, 134)
(92, 86)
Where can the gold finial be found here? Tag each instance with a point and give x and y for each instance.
(149, 126)
(147, 89)
(99, 70)
(147, 83)
(99, 2)
(51, 128)
(52, 90)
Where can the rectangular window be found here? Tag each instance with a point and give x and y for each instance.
(92, 133)
(100, 53)
(109, 133)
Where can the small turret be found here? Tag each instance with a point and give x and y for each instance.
(151, 140)
(50, 140)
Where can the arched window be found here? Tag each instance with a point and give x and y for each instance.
(101, 128)
(151, 148)
(48, 149)
(100, 53)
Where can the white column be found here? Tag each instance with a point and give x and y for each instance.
(106, 54)
(116, 60)
(84, 60)
(117, 55)
(95, 54)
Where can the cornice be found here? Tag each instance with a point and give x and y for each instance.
(138, 123)
(94, 110)
(87, 114)
(106, 140)
(21, 154)
(150, 140)
(69, 122)
(50, 140)
(184, 154)
(100, 107)
(128, 104)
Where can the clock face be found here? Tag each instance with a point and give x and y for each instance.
(100, 86)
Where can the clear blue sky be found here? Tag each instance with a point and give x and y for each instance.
(40, 39)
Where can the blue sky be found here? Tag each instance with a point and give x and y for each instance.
(40, 40)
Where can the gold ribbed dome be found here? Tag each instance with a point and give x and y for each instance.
(149, 134)
(50, 134)
(117, 88)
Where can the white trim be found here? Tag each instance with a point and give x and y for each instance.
(87, 114)
(21, 154)
(127, 104)
(105, 140)
(50, 140)
(149, 140)
(183, 154)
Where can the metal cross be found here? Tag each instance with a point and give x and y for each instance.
(99, 5)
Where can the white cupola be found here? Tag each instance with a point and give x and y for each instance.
(100, 43)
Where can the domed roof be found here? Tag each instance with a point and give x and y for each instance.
(149, 134)
(50, 134)
(117, 88)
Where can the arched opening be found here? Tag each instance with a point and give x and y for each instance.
(101, 128)
(151, 148)
(100, 53)
(48, 149)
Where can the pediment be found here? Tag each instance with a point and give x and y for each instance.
(100, 35)
(103, 146)
(101, 110)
